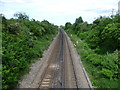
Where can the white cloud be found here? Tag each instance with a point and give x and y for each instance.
(8, 13)
(63, 9)
(15, 1)
(74, 6)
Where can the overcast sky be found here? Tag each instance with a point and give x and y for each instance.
(59, 11)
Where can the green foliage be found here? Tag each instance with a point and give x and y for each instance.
(67, 25)
(61, 26)
(111, 31)
(108, 73)
(14, 28)
(116, 18)
(23, 43)
(4, 21)
(21, 16)
(79, 20)
(91, 37)
(101, 68)
(102, 36)
(99, 49)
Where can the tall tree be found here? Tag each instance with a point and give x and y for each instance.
(67, 25)
(79, 20)
(21, 16)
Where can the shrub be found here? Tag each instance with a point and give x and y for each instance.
(14, 28)
(22, 44)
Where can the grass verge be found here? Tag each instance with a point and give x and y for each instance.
(102, 69)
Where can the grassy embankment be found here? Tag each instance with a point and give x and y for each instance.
(23, 42)
(102, 69)
(98, 48)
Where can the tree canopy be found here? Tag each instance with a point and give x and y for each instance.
(21, 16)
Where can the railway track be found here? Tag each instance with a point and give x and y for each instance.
(60, 71)
(60, 67)
(53, 76)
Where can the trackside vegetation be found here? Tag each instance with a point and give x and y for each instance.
(98, 45)
(23, 42)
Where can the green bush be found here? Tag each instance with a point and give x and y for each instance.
(102, 69)
(107, 73)
(23, 42)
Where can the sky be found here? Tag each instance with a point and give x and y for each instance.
(59, 12)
